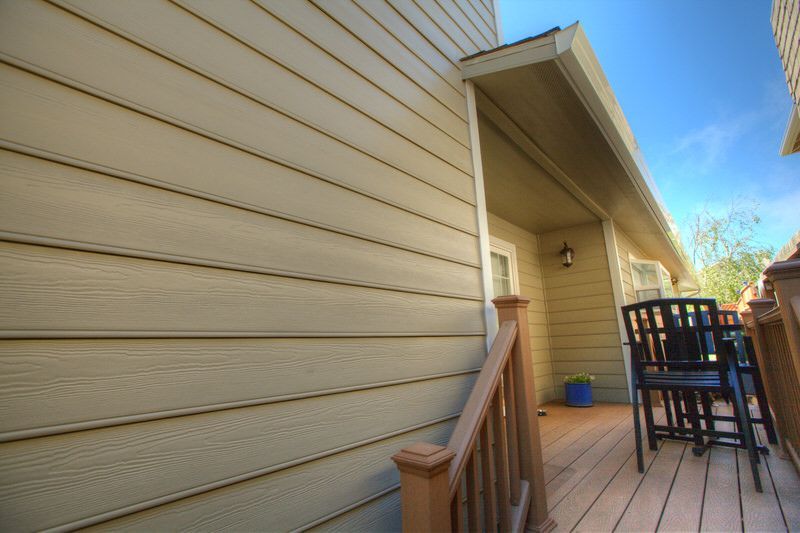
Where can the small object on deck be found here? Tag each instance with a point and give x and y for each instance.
(541, 412)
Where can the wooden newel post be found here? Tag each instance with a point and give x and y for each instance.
(424, 486)
(530, 445)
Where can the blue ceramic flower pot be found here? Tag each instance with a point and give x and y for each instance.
(578, 394)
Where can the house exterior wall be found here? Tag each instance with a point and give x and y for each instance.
(240, 256)
(786, 29)
(531, 285)
(582, 312)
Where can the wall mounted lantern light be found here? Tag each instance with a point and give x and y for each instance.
(567, 255)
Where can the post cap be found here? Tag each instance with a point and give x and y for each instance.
(423, 459)
(512, 300)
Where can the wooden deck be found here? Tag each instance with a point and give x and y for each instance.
(593, 483)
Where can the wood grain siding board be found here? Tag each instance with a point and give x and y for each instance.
(416, 42)
(86, 210)
(357, 20)
(237, 452)
(52, 292)
(280, 502)
(577, 290)
(380, 514)
(55, 119)
(52, 386)
(416, 17)
(582, 315)
(449, 13)
(485, 20)
(154, 86)
(328, 35)
(597, 353)
(469, 20)
(448, 26)
(260, 43)
(603, 301)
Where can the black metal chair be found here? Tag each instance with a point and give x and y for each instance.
(678, 348)
(748, 367)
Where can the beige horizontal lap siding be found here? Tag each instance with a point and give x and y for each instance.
(786, 29)
(531, 286)
(584, 334)
(234, 240)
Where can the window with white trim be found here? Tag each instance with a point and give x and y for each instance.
(650, 280)
(505, 279)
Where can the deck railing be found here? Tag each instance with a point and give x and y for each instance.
(490, 476)
(774, 326)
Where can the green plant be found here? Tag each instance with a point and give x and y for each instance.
(580, 377)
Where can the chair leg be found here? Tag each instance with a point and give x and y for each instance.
(649, 421)
(746, 427)
(763, 407)
(680, 415)
(708, 413)
(694, 418)
(637, 427)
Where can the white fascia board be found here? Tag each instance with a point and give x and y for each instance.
(535, 51)
(792, 133)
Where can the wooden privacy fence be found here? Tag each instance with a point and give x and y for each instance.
(774, 326)
(490, 476)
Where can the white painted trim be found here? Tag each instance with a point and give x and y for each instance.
(509, 250)
(615, 272)
(498, 24)
(490, 314)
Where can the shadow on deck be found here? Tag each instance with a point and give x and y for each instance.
(593, 483)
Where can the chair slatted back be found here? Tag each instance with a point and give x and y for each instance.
(676, 334)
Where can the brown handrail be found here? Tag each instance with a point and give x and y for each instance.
(474, 414)
(493, 459)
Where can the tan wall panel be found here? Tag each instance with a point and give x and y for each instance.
(414, 14)
(381, 514)
(122, 69)
(43, 199)
(470, 26)
(442, 17)
(160, 460)
(582, 314)
(475, 19)
(360, 24)
(50, 383)
(57, 292)
(416, 41)
(280, 502)
(269, 38)
(319, 28)
(51, 117)
(577, 290)
(597, 326)
(603, 301)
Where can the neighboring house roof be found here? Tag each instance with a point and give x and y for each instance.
(606, 172)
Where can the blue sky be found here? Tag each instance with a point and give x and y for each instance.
(702, 87)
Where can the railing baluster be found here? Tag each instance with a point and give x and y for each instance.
(473, 493)
(501, 463)
(487, 475)
(511, 422)
(457, 510)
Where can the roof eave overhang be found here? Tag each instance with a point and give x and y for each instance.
(571, 51)
(791, 138)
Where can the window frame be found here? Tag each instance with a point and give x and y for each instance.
(508, 250)
(661, 274)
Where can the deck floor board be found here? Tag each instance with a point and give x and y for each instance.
(593, 483)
